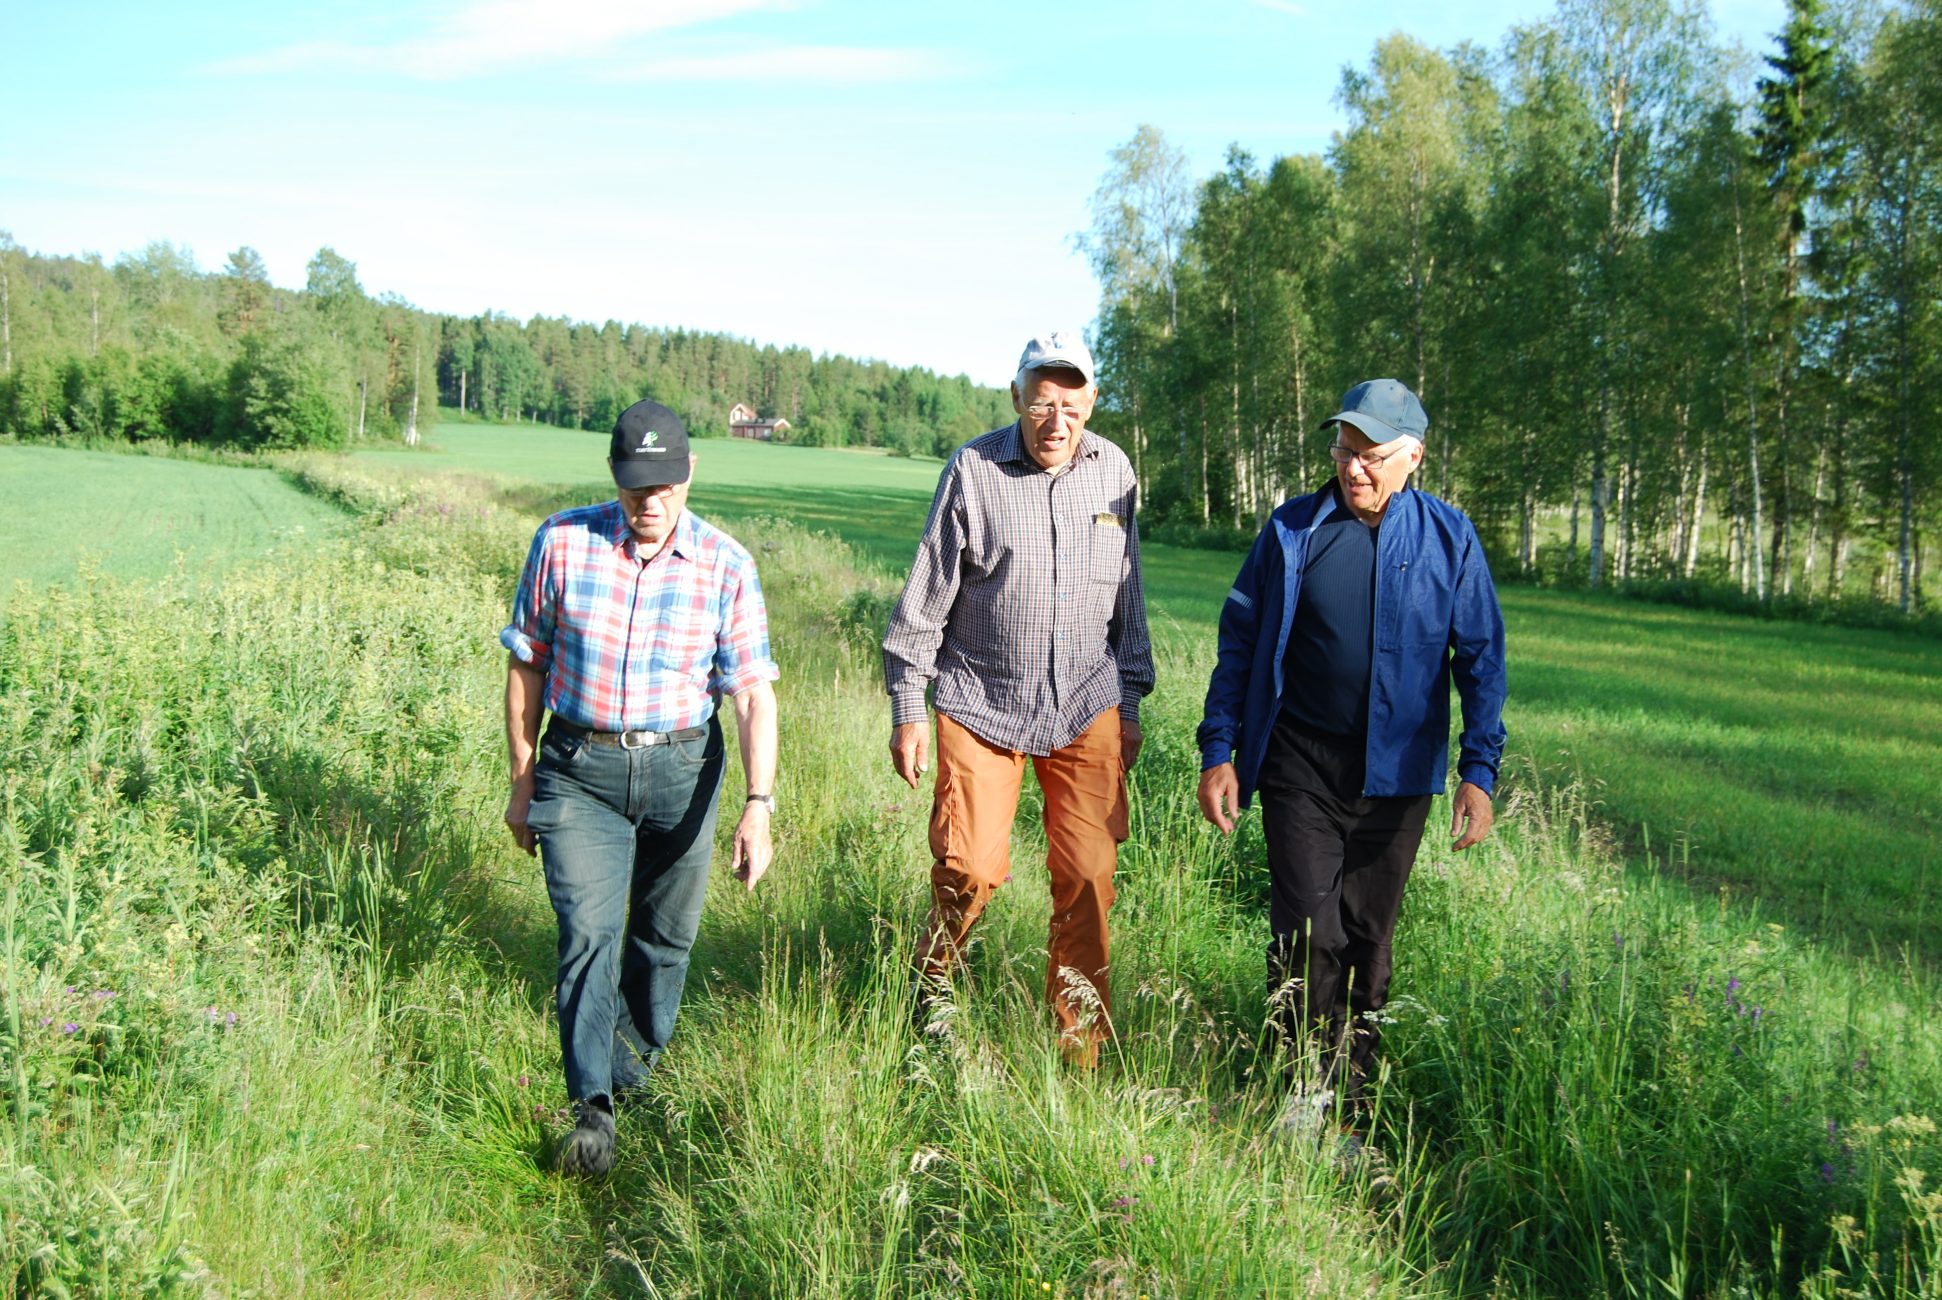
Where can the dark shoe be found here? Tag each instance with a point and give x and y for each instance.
(588, 1151)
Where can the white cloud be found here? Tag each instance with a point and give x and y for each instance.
(491, 34)
(827, 63)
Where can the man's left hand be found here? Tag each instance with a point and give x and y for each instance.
(753, 848)
(1470, 816)
(1129, 744)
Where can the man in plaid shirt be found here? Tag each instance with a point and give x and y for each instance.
(631, 620)
(1024, 609)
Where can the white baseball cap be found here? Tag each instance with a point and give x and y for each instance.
(1059, 348)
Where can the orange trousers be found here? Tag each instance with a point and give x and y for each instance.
(972, 810)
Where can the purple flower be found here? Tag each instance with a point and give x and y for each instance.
(1123, 1202)
(102, 995)
(523, 1081)
(229, 1021)
(1732, 984)
(1756, 1013)
(1827, 1172)
(70, 988)
(70, 1028)
(45, 1021)
(1146, 1160)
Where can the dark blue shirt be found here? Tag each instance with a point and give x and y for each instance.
(1326, 670)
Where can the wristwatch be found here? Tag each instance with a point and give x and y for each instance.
(766, 800)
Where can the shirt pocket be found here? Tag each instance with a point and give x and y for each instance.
(1106, 547)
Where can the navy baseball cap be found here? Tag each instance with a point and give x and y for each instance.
(1384, 409)
(650, 447)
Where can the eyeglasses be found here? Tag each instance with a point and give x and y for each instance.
(1040, 410)
(1370, 460)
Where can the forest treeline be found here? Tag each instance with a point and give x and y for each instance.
(150, 346)
(1675, 311)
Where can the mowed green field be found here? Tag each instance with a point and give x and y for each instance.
(1798, 766)
(140, 516)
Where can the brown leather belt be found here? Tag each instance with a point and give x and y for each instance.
(625, 739)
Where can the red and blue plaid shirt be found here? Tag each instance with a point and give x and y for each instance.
(629, 645)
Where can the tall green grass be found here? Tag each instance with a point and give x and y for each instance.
(278, 799)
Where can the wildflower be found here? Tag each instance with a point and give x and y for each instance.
(1732, 983)
(214, 1014)
(1618, 941)
(229, 1021)
(1147, 1161)
(70, 989)
(1124, 1161)
(102, 995)
(1827, 1172)
(523, 1081)
(1123, 1202)
(1755, 1014)
(45, 1021)
(70, 1029)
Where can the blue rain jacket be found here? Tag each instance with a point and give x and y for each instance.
(1436, 622)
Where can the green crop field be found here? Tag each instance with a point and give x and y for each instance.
(277, 985)
(139, 517)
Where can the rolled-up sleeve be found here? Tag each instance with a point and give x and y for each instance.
(535, 606)
(742, 656)
(917, 623)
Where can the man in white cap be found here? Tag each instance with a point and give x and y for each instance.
(1024, 609)
(1357, 608)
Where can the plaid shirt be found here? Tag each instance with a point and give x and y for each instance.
(628, 644)
(1024, 602)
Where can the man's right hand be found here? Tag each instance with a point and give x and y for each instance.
(910, 748)
(518, 804)
(1220, 795)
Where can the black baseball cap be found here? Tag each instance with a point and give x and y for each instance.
(650, 447)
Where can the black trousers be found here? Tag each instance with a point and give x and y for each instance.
(1338, 863)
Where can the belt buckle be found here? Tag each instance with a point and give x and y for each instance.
(647, 738)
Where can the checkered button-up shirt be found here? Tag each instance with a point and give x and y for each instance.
(631, 644)
(1024, 603)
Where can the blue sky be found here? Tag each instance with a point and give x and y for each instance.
(888, 180)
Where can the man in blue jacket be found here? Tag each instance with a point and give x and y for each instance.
(1357, 608)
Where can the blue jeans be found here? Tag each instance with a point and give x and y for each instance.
(625, 836)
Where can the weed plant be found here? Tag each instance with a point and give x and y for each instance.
(277, 1004)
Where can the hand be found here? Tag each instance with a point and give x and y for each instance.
(910, 748)
(1130, 738)
(1220, 795)
(518, 804)
(1470, 816)
(753, 848)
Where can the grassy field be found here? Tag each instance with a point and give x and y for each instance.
(1795, 765)
(62, 511)
(278, 986)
